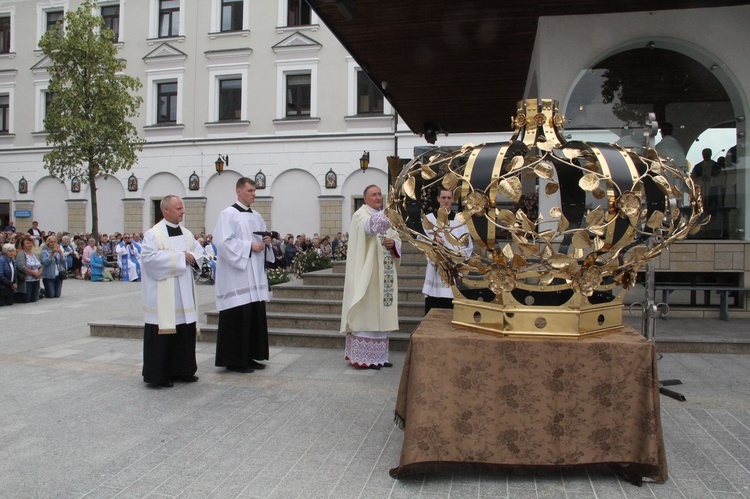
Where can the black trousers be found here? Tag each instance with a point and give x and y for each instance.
(434, 302)
(168, 355)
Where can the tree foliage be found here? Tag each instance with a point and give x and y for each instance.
(87, 120)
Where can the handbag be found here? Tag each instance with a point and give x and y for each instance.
(62, 273)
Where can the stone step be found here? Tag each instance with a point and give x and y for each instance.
(314, 305)
(337, 279)
(331, 338)
(313, 321)
(405, 268)
(295, 289)
(276, 336)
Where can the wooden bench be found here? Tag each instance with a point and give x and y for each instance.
(723, 291)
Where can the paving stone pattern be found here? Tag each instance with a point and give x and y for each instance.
(80, 423)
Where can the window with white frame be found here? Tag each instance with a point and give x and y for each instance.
(4, 113)
(111, 16)
(230, 99)
(298, 95)
(5, 27)
(53, 19)
(369, 97)
(231, 15)
(298, 13)
(169, 18)
(166, 102)
(45, 98)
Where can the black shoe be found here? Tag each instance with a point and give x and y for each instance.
(373, 366)
(238, 369)
(257, 365)
(186, 379)
(165, 384)
(387, 364)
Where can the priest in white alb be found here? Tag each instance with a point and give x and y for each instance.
(129, 259)
(169, 255)
(243, 247)
(438, 293)
(370, 305)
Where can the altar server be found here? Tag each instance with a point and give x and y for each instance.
(243, 247)
(438, 294)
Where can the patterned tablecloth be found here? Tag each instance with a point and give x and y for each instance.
(472, 398)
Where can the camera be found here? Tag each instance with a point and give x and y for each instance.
(272, 234)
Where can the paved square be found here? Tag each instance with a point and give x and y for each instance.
(79, 421)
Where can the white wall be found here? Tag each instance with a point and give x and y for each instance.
(50, 208)
(109, 194)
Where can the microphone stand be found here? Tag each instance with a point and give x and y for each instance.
(649, 309)
(648, 306)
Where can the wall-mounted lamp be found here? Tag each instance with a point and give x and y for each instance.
(194, 183)
(364, 161)
(23, 186)
(650, 45)
(223, 160)
(714, 67)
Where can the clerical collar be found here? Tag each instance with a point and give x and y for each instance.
(241, 207)
(173, 229)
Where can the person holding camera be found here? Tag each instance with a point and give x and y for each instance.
(242, 243)
(129, 259)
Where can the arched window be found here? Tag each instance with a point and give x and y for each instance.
(612, 100)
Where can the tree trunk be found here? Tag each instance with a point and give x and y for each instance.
(94, 204)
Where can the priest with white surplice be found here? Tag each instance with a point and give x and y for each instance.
(169, 255)
(243, 247)
(370, 305)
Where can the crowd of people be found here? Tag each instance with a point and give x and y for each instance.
(287, 248)
(35, 263)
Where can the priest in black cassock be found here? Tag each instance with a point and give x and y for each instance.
(243, 247)
(169, 253)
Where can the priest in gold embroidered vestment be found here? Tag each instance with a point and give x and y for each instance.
(370, 305)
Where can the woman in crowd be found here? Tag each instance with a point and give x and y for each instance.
(8, 283)
(99, 272)
(88, 251)
(53, 265)
(290, 251)
(278, 254)
(79, 244)
(325, 247)
(107, 246)
(29, 269)
(72, 259)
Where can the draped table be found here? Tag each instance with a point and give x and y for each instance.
(468, 398)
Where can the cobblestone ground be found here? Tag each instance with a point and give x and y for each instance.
(79, 422)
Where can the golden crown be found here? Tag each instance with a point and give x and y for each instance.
(559, 228)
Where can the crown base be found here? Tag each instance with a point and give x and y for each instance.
(538, 322)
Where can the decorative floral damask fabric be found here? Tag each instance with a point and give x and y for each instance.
(467, 397)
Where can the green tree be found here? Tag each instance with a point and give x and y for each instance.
(87, 120)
